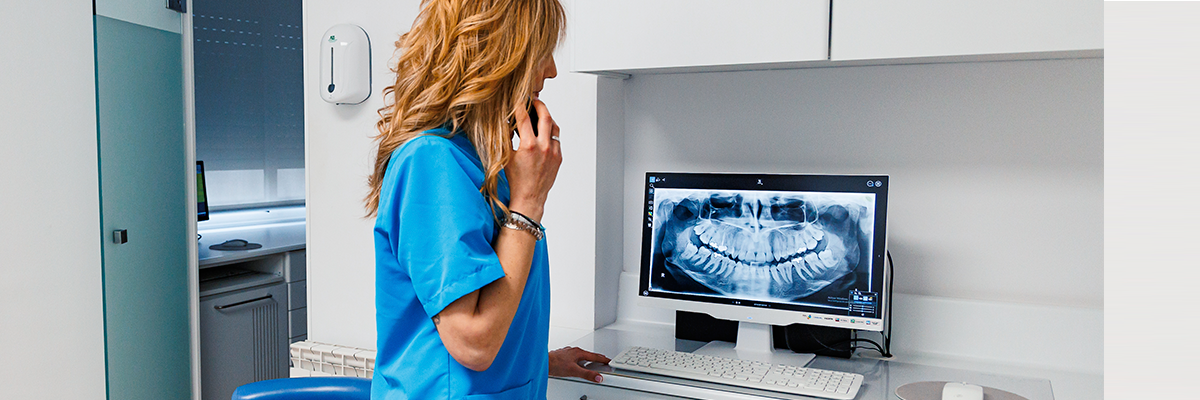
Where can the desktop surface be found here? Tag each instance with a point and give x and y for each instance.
(278, 230)
(882, 377)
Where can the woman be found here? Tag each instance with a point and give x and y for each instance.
(462, 279)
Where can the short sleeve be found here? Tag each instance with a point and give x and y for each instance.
(444, 224)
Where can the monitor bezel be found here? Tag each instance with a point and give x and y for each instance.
(201, 206)
(759, 311)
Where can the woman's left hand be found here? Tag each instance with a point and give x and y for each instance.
(568, 362)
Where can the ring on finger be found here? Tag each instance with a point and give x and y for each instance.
(555, 138)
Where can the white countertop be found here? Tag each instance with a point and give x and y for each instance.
(276, 229)
(882, 376)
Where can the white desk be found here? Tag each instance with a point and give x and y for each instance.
(881, 377)
(275, 238)
(281, 232)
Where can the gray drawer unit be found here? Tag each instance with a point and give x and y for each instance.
(297, 295)
(243, 331)
(571, 389)
(299, 323)
(296, 266)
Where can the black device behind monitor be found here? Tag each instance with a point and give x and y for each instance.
(819, 340)
(201, 194)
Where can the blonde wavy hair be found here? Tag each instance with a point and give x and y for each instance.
(472, 64)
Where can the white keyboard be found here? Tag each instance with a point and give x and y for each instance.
(732, 371)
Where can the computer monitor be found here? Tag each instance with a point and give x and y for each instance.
(201, 194)
(766, 249)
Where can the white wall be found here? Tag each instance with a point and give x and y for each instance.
(610, 174)
(1151, 166)
(339, 152)
(996, 168)
(50, 296)
(570, 216)
(341, 254)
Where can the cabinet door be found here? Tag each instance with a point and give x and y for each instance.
(243, 339)
(143, 182)
(635, 34)
(571, 390)
(871, 29)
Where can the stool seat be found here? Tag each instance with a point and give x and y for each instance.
(311, 388)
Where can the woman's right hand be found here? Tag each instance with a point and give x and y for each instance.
(534, 166)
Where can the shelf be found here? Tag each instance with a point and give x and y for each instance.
(1049, 55)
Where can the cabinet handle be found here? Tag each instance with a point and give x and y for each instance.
(242, 303)
(120, 236)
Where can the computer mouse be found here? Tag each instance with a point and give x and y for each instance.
(235, 243)
(962, 391)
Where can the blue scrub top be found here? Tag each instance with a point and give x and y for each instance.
(433, 244)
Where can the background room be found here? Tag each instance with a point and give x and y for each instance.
(993, 137)
(996, 165)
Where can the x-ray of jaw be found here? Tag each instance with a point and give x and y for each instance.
(774, 246)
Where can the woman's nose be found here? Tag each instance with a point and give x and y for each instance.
(551, 69)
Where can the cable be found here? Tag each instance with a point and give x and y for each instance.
(854, 339)
(884, 349)
(887, 339)
(874, 345)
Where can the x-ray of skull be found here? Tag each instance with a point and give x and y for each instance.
(762, 245)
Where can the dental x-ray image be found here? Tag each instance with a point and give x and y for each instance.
(762, 245)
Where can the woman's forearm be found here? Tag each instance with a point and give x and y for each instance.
(498, 300)
(474, 327)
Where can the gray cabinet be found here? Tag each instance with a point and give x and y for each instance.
(251, 301)
(243, 329)
(570, 390)
(296, 276)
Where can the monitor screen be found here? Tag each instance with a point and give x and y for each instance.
(813, 244)
(201, 195)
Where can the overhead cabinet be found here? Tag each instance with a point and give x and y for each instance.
(882, 29)
(615, 35)
(630, 36)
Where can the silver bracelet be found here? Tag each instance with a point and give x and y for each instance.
(520, 222)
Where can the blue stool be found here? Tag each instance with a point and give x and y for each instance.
(314, 388)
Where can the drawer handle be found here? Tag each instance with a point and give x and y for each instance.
(242, 303)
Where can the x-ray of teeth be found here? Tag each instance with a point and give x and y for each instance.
(761, 245)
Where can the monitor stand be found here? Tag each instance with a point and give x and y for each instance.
(755, 342)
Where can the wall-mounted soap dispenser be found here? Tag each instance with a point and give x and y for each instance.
(345, 65)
